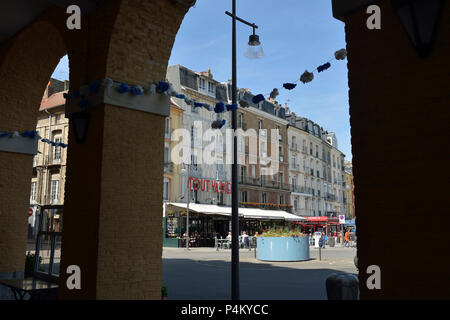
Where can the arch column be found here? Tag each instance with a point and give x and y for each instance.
(23, 82)
(113, 203)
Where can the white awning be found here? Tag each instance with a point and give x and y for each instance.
(247, 213)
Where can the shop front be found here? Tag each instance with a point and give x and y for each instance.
(207, 222)
(329, 225)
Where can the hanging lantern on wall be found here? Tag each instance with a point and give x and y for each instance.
(420, 19)
(80, 122)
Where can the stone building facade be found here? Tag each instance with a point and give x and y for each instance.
(263, 183)
(315, 169)
(202, 87)
(350, 191)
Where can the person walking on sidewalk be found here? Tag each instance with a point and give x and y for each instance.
(347, 239)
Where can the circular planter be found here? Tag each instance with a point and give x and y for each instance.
(283, 248)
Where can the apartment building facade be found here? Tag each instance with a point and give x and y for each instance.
(49, 164)
(350, 191)
(263, 156)
(315, 169)
(202, 87)
(172, 170)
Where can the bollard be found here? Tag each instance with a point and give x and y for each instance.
(342, 286)
(320, 248)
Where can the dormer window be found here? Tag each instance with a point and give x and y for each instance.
(202, 83)
(211, 88)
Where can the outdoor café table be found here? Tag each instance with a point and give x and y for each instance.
(221, 242)
(34, 287)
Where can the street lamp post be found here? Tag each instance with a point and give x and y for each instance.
(254, 42)
(188, 170)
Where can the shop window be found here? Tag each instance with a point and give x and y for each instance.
(48, 243)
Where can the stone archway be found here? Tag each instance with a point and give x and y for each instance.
(113, 213)
(24, 78)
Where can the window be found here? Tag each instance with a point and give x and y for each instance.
(281, 198)
(295, 204)
(241, 120)
(202, 83)
(260, 124)
(211, 88)
(244, 196)
(167, 128)
(54, 190)
(242, 174)
(33, 192)
(58, 119)
(254, 171)
(219, 198)
(166, 189)
(166, 154)
(293, 161)
(264, 198)
(57, 150)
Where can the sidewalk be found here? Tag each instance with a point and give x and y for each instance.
(204, 273)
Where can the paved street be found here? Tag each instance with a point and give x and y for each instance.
(204, 273)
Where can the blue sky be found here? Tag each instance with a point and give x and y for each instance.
(296, 35)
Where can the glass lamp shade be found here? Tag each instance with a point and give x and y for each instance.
(254, 50)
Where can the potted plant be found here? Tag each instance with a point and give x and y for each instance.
(164, 295)
(283, 244)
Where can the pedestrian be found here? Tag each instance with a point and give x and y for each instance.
(245, 239)
(325, 242)
(347, 239)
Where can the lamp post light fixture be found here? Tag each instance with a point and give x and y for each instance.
(420, 19)
(257, 52)
(187, 169)
(254, 50)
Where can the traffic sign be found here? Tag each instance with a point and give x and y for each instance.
(342, 219)
(30, 212)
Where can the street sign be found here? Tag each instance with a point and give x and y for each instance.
(342, 219)
(30, 212)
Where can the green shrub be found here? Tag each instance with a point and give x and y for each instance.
(283, 232)
(164, 295)
(29, 265)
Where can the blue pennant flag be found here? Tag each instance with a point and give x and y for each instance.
(289, 86)
(94, 87)
(220, 107)
(162, 86)
(124, 88)
(258, 98)
(324, 67)
(231, 107)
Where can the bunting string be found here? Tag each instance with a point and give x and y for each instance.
(306, 77)
(31, 135)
